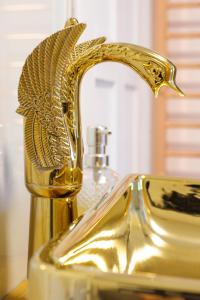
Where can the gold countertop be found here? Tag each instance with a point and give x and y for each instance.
(19, 293)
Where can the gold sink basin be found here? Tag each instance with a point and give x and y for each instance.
(141, 242)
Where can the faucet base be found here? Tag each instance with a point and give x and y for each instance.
(48, 218)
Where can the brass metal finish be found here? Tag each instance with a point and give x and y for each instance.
(49, 102)
(141, 242)
(49, 218)
(134, 233)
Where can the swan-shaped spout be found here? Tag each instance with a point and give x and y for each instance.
(49, 101)
(49, 94)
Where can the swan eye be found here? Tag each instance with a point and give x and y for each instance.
(64, 107)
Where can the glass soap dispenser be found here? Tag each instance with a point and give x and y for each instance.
(98, 178)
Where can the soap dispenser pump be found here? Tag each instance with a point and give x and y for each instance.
(98, 178)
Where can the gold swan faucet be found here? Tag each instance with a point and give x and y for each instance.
(143, 238)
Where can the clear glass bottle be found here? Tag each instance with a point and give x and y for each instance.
(98, 178)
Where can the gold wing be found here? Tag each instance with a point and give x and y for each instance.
(47, 134)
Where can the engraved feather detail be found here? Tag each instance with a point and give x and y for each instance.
(41, 96)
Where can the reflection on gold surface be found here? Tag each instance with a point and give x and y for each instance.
(142, 255)
(141, 242)
(157, 240)
(153, 237)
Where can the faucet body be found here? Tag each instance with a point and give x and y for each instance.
(49, 101)
(53, 203)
